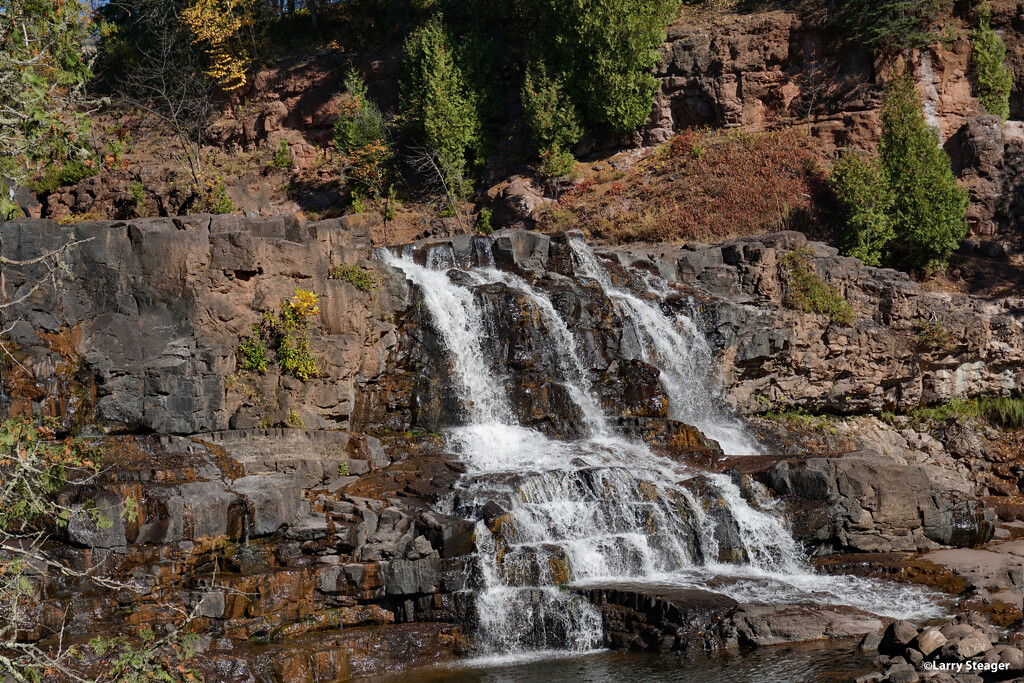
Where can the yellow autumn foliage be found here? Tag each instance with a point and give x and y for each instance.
(219, 26)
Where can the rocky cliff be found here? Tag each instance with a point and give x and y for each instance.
(302, 522)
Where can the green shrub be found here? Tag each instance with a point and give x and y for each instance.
(484, 222)
(361, 135)
(252, 353)
(437, 102)
(863, 192)
(138, 192)
(282, 157)
(552, 118)
(988, 58)
(292, 335)
(893, 25)
(929, 206)
(56, 176)
(288, 336)
(810, 293)
(932, 335)
(212, 197)
(357, 275)
(8, 209)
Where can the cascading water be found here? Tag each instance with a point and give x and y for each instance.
(680, 351)
(604, 509)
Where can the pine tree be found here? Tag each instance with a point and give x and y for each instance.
(929, 205)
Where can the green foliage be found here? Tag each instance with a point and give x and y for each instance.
(932, 335)
(44, 71)
(929, 205)
(357, 275)
(252, 353)
(294, 419)
(292, 335)
(145, 659)
(212, 197)
(343, 469)
(8, 209)
(34, 464)
(863, 192)
(810, 293)
(282, 157)
(59, 175)
(893, 25)
(484, 222)
(361, 135)
(288, 335)
(988, 59)
(606, 50)
(800, 419)
(552, 118)
(1003, 411)
(138, 192)
(437, 101)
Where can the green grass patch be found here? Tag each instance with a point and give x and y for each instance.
(798, 418)
(812, 294)
(362, 278)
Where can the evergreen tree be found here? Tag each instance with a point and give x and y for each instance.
(863, 191)
(988, 57)
(436, 100)
(929, 205)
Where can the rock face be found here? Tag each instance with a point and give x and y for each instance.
(146, 333)
(873, 504)
(780, 68)
(776, 355)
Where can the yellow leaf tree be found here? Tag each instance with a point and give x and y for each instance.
(225, 29)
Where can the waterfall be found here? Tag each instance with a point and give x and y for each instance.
(603, 509)
(677, 348)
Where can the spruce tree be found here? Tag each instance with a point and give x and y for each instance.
(929, 205)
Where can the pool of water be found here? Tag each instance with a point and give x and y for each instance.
(805, 663)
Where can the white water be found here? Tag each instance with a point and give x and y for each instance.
(677, 348)
(604, 510)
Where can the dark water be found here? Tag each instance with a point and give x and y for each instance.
(782, 664)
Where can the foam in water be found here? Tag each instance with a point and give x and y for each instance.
(605, 510)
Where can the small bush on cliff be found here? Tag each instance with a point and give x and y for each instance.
(252, 353)
(863, 192)
(812, 294)
(929, 206)
(292, 335)
(988, 58)
(282, 157)
(287, 335)
(212, 197)
(553, 121)
(484, 223)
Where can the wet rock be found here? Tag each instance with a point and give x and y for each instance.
(760, 625)
(879, 505)
(660, 618)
